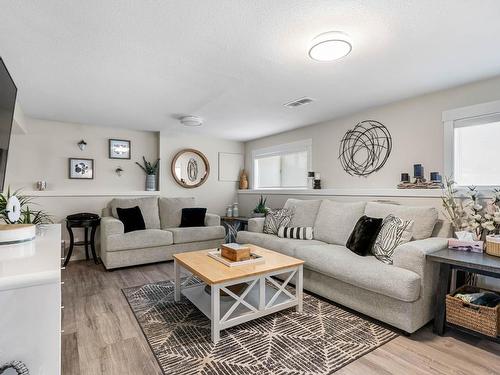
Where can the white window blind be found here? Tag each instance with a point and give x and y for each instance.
(282, 166)
(476, 151)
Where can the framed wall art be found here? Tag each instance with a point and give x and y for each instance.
(119, 149)
(81, 169)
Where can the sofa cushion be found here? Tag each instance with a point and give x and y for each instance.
(139, 239)
(336, 220)
(424, 218)
(305, 211)
(364, 235)
(193, 217)
(197, 234)
(286, 246)
(131, 218)
(148, 206)
(364, 272)
(171, 210)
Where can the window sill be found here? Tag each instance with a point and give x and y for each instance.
(375, 192)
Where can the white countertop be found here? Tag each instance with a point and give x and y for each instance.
(32, 263)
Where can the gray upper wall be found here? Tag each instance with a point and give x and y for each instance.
(416, 129)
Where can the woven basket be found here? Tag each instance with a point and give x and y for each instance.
(493, 245)
(480, 319)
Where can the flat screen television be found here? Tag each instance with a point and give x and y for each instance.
(8, 92)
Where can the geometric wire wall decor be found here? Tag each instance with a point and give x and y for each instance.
(365, 149)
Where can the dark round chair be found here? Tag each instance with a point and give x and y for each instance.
(86, 221)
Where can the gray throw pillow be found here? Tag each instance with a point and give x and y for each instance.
(276, 219)
(394, 232)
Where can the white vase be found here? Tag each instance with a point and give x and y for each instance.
(150, 182)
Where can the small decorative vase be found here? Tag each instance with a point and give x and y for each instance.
(229, 211)
(150, 182)
(236, 211)
(243, 180)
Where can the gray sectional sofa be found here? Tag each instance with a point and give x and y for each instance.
(162, 237)
(401, 294)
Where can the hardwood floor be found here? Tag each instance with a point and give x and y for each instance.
(101, 335)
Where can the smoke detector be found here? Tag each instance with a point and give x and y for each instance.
(191, 121)
(298, 102)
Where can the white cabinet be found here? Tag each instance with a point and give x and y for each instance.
(30, 302)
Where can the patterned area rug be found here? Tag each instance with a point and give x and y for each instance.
(320, 340)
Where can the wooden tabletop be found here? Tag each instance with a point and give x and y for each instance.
(479, 261)
(212, 271)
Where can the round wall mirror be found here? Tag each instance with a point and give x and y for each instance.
(190, 168)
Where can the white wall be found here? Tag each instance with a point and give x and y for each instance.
(213, 194)
(42, 154)
(416, 129)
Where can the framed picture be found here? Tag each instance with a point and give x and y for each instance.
(82, 169)
(119, 149)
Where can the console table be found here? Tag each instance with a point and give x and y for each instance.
(480, 263)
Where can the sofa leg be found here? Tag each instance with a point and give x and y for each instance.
(406, 334)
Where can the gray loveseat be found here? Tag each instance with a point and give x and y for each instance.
(162, 237)
(401, 294)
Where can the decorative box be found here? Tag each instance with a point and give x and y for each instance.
(235, 252)
(472, 246)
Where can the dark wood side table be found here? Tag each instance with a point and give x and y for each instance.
(86, 221)
(233, 225)
(480, 263)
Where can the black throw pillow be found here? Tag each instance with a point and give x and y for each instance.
(193, 217)
(131, 218)
(363, 235)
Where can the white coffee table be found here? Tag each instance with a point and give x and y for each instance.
(263, 294)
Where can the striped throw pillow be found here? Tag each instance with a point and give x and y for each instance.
(394, 232)
(298, 233)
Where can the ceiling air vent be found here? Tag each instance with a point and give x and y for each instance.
(298, 102)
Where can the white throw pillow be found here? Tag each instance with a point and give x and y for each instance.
(394, 232)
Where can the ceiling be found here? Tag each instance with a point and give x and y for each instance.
(142, 64)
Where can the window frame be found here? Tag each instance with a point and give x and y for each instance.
(279, 150)
(459, 117)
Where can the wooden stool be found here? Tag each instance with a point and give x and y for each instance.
(86, 221)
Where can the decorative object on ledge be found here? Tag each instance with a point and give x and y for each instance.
(190, 168)
(119, 149)
(18, 366)
(41, 185)
(420, 182)
(119, 171)
(436, 177)
(243, 180)
(81, 169)
(310, 180)
(365, 149)
(151, 171)
(260, 210)
(82, 144)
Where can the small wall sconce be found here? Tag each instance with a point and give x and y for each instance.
(119, 171)
(82, 144)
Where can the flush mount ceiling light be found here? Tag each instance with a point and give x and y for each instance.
(191, 121)
(330, 46)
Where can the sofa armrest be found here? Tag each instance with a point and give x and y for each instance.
(212, 220)
(256, 224)
(412, 255)
(111, 226)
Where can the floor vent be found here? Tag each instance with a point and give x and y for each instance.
(298, 102)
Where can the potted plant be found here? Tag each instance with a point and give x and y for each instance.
(28, 216)
(260, 210)
(151, 171)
